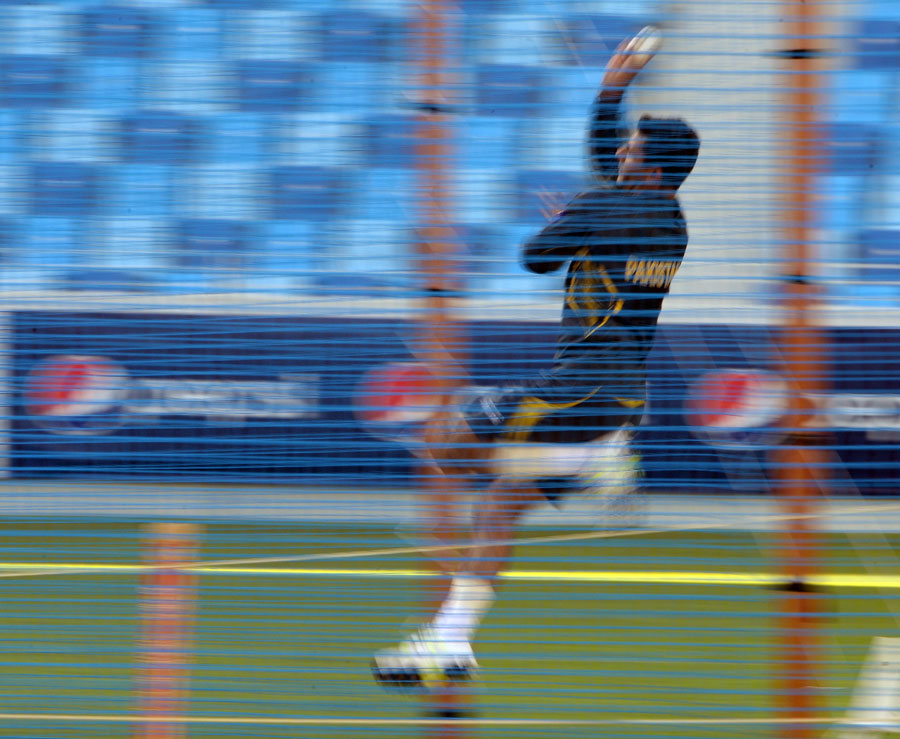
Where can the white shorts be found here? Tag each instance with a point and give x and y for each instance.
(605, 465)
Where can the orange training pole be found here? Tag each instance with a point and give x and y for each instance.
(439, 339)
(167, 608)
(800, 462)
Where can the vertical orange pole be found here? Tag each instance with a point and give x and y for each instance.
(800, 462)
(440, 339)
(167, 605)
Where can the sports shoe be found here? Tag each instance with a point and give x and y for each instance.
(422, 662)
(617, 476)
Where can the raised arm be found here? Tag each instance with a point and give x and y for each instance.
(606, 131)
(566, 233)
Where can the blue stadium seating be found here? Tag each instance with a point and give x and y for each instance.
(267, 34)
(272, 86)
(480, 246)
(484, 196)
(487, 143)
(187, 282)
(117, 31)
(348, 87)
(63, 189)
(192, 34)
(877, 44)
(392, 140)
(316, 139)
(74, 135)
(480, 7)
(33, 81)
(106, 84)
(881, 248)
(386, 194)
(840, 213)
(13, 131)
(243, 4)
(139, 190)
(93, 279)
(368, 255)
(886, 9)
(57, 249)
(556, 143)
(220, 191)
(188, 87)
(851, 148)
(288, 247)
(213, 244)
(132, 243)
(307, 193)
(49, 242)
(358, 36)
(9, 242)
(508, 90)
(862, 96)
(511, 38)
(36, 29)
(217, 114)
(240, 138)
(158, 136)
(289, 256)
(201, 117)
(14, 193)
(571, 90)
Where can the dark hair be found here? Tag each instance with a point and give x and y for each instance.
(670, 144)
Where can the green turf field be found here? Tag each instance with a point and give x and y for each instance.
(598, 630)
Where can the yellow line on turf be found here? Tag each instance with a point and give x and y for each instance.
(891, 582)
(301, 721)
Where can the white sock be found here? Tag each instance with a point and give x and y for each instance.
(469, 599)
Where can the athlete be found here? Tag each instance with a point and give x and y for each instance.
(623, 240)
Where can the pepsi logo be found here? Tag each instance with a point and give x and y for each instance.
(736, 407)
(394, 400)
(75, 394)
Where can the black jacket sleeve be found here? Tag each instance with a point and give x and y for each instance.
(549, 249)
(567, 233)
(606, 132)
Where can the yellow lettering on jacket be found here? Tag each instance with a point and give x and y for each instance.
(650, 272)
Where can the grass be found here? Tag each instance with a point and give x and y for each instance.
(298, 646)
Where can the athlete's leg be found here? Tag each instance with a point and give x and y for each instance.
(451, 446)
(604, 467)
(442, 649)
(494, 521)
(472, 590)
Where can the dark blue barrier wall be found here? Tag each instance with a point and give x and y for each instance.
(271, 399)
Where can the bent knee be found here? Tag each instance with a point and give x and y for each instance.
(452, 444)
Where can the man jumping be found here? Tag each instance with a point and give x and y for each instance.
(623, 240)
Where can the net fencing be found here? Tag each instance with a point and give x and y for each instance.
(251, 250)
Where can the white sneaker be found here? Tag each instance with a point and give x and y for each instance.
(422, 662)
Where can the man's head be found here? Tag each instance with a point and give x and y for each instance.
(659, 155)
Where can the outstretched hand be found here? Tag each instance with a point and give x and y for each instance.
(630, 57)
